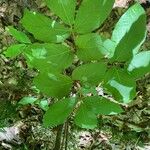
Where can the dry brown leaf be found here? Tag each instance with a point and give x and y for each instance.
(11, 133)
(124, 3)
(121, 3)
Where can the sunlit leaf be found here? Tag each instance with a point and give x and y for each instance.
(129, 33)
(108, 48)
(120, 84)
(140, 64)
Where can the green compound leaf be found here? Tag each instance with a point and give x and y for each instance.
(49, 57)
(120, 84)
(58, 112)
(92, 73)
(53, 85)
(18, 35)
(14, 50)
(89, 47)
(129, 33)
(43, 28)
(86, 116)
(140, 64)
(65, 9)
(91, 14)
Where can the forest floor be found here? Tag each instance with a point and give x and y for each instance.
(21, 127)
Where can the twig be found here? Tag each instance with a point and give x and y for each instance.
(66, 134)
(58, 138)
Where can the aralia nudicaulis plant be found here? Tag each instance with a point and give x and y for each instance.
(73, 59)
